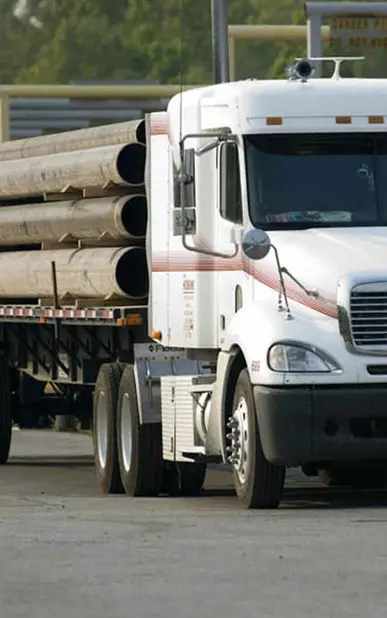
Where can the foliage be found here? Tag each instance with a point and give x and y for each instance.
(62, 41)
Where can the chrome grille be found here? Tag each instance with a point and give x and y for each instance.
(368, 315)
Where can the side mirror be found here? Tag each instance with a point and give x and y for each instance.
(256, 244)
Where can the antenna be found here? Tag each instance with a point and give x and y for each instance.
(181, 70)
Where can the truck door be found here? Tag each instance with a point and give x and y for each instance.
(232, 281)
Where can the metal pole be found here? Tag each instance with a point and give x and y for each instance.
(313, 41)
(220, 40)
(231, 57)
(4, 118)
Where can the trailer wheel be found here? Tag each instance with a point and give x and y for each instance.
(184, 479)
(139, 451)
(104, 428)
(5, 411)
(258, 483)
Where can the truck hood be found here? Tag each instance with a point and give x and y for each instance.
(319, 257)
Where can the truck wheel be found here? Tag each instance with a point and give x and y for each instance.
(184, 479)
(5, 411)
(104, 428)
(258, 483)
(139, 451)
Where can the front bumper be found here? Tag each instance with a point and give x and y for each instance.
(317, 424)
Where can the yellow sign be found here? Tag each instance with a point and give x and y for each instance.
(359, 23)
(359, 41)
(359, 31)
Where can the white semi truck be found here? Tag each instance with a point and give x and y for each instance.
(211, 283)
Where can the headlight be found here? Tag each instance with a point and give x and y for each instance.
(295, 358)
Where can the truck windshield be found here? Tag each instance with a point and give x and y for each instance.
(299, 181)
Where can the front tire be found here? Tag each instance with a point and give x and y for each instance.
(104, 428)
(139, 446)
(5, 411)
(258, 483)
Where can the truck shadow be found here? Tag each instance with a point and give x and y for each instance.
(218, 490)
(329, 498)
(315, 498)
(53, 461)
(301, 492)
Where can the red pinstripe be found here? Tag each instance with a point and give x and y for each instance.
(175, 262)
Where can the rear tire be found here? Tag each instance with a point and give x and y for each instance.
(258, 483)
(139, 446)
(104, 428)
(5, 411)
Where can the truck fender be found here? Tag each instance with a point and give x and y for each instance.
(252, 330)
(216, 434)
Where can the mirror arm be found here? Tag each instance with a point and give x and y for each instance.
(282, 292)
(312, 293)
(182, 196)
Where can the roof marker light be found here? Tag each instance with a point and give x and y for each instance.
(274, 120)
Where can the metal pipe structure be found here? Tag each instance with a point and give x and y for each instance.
(338, 9)
(89, 219)
(268, 32)
(220, 40)
(272, 32)
(97, 273)
(80, 169)
(102, 91)
(81, 139)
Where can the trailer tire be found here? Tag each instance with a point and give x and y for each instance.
(139, 445)
(258, 483)
(5, 411)
(105, 428)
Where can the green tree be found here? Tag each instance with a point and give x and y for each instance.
(79, 39)
(60, 41)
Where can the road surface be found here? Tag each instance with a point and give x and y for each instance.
(68, 552)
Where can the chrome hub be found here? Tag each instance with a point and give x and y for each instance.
(238, 451)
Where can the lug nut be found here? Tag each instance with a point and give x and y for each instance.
(232, 423)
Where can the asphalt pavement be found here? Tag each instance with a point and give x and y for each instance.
(66, 551)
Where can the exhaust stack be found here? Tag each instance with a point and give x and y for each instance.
(221, 62)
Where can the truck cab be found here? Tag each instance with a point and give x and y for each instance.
(267, 248)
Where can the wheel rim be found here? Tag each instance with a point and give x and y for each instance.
(126, 433)
(239, 438)
(102, 430)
